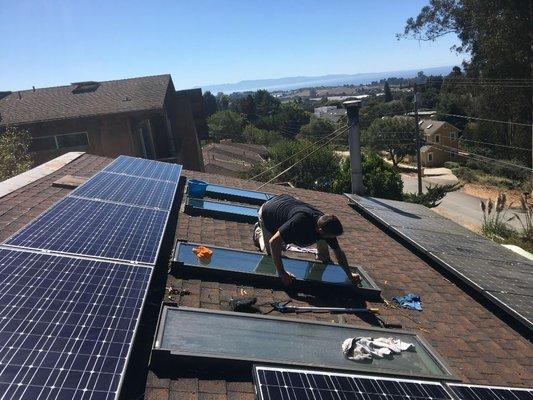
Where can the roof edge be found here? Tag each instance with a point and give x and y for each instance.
(18, 181)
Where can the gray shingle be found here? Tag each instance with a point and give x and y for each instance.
(144, 93)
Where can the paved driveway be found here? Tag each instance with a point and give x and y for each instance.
(458, 206)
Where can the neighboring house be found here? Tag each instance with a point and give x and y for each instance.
(143, 117)
(331, 113)
(442, 138)
(232, 159)
(479, 344)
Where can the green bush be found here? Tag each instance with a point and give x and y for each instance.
(256, 135)
(433, 195)
(226, 125)
(452, 165)
(379, 178)
(494, 224)
(14, 152)
(465, 174)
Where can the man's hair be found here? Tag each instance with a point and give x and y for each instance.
(330, 224)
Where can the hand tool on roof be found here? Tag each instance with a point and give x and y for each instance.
(242, 304)
(284, 308)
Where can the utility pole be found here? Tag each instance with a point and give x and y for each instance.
(352, 110)
(418, 144)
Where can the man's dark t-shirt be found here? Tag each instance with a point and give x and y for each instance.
(295, 220)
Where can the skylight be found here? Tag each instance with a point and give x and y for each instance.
(85, 87)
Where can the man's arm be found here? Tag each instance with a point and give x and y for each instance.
(275, 249)
(343, 262)
(323, 251)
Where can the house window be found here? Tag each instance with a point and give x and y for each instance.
(43, 143)
(452, 135)
(430, 157)
(46, 143)
(72, 140)
(437, 138)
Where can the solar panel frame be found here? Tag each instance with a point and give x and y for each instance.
(461, 392)
(124, 189)
(316, 384)
(133, 166)
(62, 219)
(40, 267)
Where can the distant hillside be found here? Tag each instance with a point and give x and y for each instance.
(297, 82)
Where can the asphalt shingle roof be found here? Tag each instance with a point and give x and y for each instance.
(478, 345)
(111, 97)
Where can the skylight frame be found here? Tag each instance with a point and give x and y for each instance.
(183, 269)
(233, 214)
(235, 196)
(164, 357)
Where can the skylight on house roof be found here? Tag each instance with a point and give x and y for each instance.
(85, 87)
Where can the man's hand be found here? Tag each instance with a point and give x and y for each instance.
(286, 277)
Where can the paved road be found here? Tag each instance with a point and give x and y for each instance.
(458, 206)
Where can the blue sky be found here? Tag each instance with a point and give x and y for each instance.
(55, 42)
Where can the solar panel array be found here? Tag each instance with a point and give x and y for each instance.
(292, 384)
(479, 392)
(502, 276)
(67, 325)
(73, 283)
(118, 214)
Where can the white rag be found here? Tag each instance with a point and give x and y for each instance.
(365, 348)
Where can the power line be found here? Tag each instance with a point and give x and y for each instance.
(301, 159)
(487, 120)
(343, 128)
(480, 157)
(494, 144)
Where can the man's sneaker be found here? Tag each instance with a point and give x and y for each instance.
(257, 234)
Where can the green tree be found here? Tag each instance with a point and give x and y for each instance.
(14, 152)
(255, 135)
(321, 166)
(222, 101)
(379, 178)
(291, 118)
(246, 106)
(387, 92)
(266, 104)
(497, 36)
(210, 104)
(317, 128)
(395, 135)
(226, 125)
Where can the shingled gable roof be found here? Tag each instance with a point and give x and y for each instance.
(477, 345)
(110, 97)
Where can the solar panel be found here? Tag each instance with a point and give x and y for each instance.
(480, 392)
(293, 384)
(498, 274)
(94, 228)
(255, 265)
(400, 207)
(219, 209)
(236, 194)
(67, 325)
(128, 190)
(157, 170)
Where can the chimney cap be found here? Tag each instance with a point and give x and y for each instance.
(352, 103)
